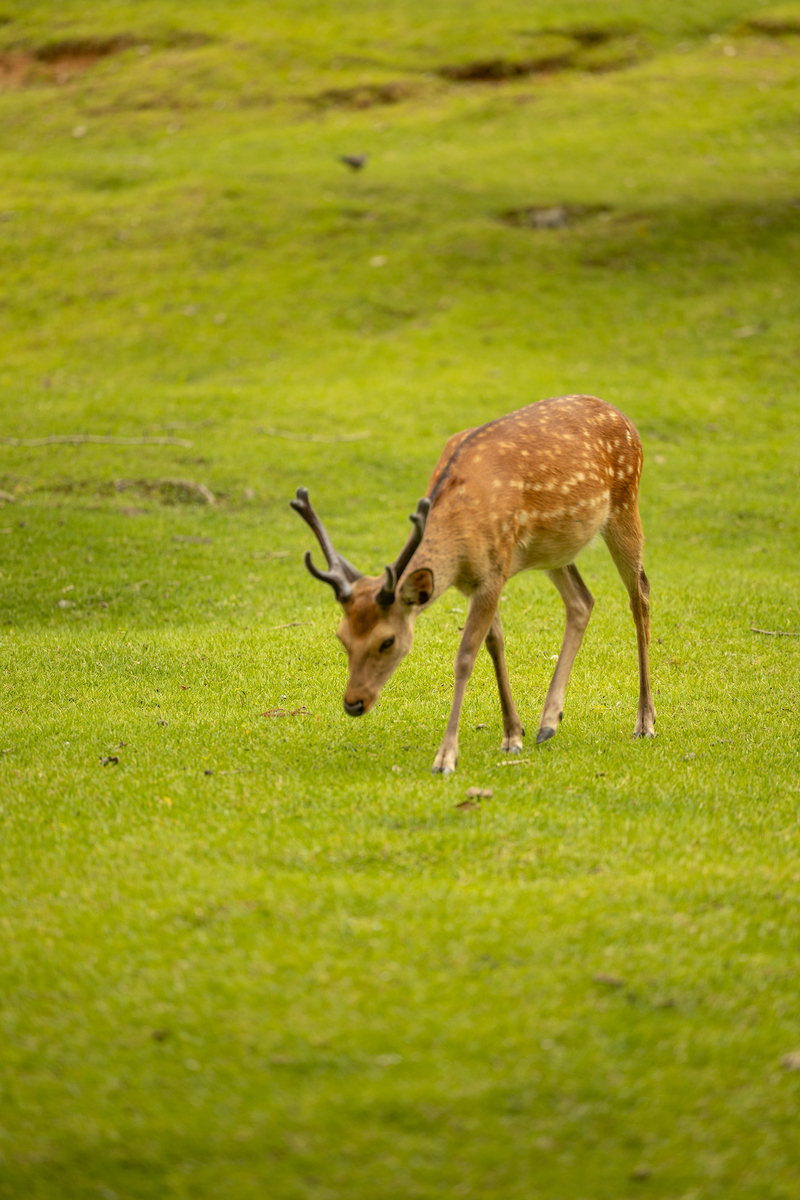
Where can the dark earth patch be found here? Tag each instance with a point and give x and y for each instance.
(551, 216)
(584, 48)
(363, 95)
(58, 62)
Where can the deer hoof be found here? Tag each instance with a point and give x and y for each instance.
(543, 734)
(512, 749)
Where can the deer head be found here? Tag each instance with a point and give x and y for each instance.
(377, 626)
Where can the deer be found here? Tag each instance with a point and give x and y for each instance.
(527, 491)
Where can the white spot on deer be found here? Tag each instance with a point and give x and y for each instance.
(523, 518)
(629, 470)
(580, 477)
(497, 483)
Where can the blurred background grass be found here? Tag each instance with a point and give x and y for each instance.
(307, 974)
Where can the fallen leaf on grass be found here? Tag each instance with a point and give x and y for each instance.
(110, 760)
(611, 980)
(184, 686)
(514, 762)
(476, 793)
(641, 1172)
(791, 1062)
(208, 771)
(467, 804)
(481, 727)
(159, 1035)
(287, 712)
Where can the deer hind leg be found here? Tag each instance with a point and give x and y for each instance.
(482, 608)
(513, 732)
(579, 604)
(624, 538)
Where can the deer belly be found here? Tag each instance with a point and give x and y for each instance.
(554, 539)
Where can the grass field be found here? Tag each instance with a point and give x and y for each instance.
(247, 954)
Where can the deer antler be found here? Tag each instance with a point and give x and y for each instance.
(385, 597)
(342, 574)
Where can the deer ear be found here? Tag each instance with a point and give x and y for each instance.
(418, 587)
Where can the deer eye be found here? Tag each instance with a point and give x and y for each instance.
(386, 644)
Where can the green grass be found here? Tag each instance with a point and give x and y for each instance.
(267, 955)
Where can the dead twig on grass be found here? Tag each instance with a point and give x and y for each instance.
(80, 439)
(774, 632)
(290, 625)
(289, 712)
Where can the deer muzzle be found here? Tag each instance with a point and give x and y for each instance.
(354, 708)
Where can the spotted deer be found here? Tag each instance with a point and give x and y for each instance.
(527, 491)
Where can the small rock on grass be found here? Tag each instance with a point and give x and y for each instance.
(610, 980)
(791, 1062)
(476, 793)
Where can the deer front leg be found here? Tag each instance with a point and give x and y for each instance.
(513, 732)
(482, 609)
(579, 604)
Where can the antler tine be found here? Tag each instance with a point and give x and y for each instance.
(303, 506)
(340, 585)
(418, 520)
(341, 573)
(385, 597)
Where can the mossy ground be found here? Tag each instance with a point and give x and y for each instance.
(267, 955)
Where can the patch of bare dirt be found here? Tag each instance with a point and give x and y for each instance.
(363, 95)
(168, 491)
(59, 62)
(551, 216)
(778, 22)
(584, 48)
(56, 62)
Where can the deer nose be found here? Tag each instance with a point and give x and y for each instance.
(354, 708)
